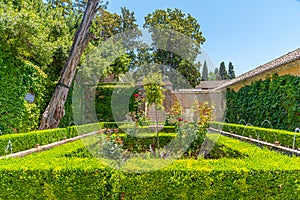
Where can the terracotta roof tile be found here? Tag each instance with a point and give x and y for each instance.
(287, 58)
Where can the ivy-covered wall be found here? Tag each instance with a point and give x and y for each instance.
(17, 78)
(103, 100)
(276, 99)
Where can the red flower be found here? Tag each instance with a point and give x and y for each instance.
(180, 119)
(136, 95)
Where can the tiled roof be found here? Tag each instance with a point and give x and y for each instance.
(287, 58)
(211, 84)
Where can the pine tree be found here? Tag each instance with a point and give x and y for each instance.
(231, 71)
(205, 72)
(223, 71)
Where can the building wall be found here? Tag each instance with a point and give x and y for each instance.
(215, 98)
(292, 68)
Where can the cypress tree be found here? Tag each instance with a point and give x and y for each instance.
(205, 72)
(231, 71)
(223, 71)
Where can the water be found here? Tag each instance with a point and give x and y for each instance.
(71, 123)
(248, 124)
(268, 123)
(242, 120)
(9, 147)
(270, 126)
(226, 120)
(294, 141)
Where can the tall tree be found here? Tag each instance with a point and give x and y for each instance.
(205, 72)
(176, 20)
(28, 31)
(107, 25)
(217, 73)
(55, 109)
(223, 71)
(231, 72)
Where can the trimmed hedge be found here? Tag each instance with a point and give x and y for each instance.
(50, 175)
(24, 141)
(139, 145)
(270, 135)
(165, 129)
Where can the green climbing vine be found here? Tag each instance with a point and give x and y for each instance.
(276, 99)
(19, 78)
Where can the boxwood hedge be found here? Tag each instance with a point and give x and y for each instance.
(24, 141)
(285, 138)
(51, 175)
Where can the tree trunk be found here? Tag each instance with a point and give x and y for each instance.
(55, 109)
(156, 129)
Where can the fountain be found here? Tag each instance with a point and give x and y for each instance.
(268, 123)
(248, 124)
(242, 120)
(261, 125)
(225, 119)
(9, 147)
(294, 141)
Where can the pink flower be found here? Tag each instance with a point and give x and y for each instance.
(136, 95)
(180, 119)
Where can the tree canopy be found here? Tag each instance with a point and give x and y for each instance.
(40, 32)
(177, 21)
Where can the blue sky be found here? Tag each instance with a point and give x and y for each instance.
(247, 33)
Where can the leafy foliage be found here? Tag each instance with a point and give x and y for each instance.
(153, 86)
(212, 76)
(285, 138)
(24, 141)
(176, 20)
(32, 32)
(17, 79)
(51, 174)
(276, 99)
(103, 100)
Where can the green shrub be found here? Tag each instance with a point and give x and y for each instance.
(145, 129)
(24, 141)
(52, 175)
(270, 135)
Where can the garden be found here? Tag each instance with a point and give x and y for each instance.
(101, 120)
(233, 169)
(125, 161)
